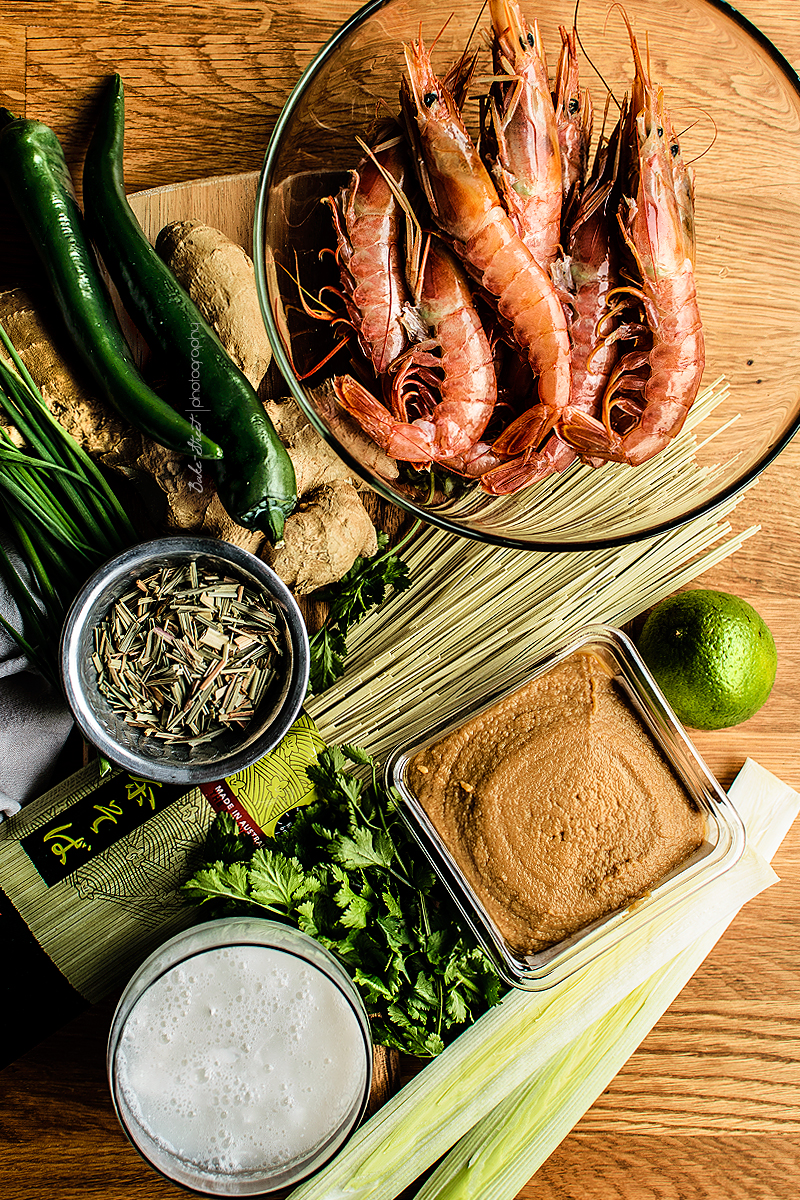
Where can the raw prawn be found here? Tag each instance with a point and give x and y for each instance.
(520, 138)
(587, 274)
(590, 273)
(683, 179)
(368, 223)
(574, 119)
(522, 470)
(467, 209)
(654, 384)
(473, 463)
(467, 386)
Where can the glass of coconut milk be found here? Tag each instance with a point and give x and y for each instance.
(239, 1057)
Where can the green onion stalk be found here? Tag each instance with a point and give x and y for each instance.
(61, 518)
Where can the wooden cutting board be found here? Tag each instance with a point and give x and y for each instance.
(227, 202)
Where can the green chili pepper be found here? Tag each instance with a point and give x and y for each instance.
(255, 481)
(38, 181)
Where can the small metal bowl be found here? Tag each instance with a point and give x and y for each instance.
(124, 745)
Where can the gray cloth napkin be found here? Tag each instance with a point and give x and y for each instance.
(34, 721)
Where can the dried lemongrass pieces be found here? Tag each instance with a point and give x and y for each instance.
(187, 654)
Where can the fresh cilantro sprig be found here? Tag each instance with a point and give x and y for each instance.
(365, 586)
(349, 873)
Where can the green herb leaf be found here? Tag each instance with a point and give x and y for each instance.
(374, 986)
(219, 881)
(425, 989)
(279, 883)
(224, 841)
(355, 907)
(365, 586)
(328, 650)
(364, 850)
(456, 1008)
(348, 872)
(356, 755)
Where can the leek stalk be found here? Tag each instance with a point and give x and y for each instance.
(516, 1041)
(504, 1149)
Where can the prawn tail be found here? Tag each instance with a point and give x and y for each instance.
(399, 439)
(475, 462)
(524, 469)
(526, 432)
(591, 438)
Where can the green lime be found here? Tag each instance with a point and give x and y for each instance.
(712, 656)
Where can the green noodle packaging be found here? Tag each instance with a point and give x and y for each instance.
(91, 875)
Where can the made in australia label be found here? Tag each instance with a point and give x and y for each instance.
(90, 825)
(258, 797)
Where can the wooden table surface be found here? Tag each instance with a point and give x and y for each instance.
(709, 1106)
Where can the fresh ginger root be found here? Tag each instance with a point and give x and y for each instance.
(169, 495)
(100, 430)
(315, 464)
(331, 527)
(323, 538)
(219, 277)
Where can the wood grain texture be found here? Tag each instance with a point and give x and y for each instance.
(708, 1108)
(716, 1077)
(188, 69)
(640, 1167)
(12, 73)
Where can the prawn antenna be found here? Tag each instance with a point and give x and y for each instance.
(462, 69)
(439, 34)
(710, 117)
(474, 29)
(589, 59)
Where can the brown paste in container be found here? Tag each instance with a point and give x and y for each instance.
(556, 804)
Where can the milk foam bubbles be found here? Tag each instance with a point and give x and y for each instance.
(244, 1058)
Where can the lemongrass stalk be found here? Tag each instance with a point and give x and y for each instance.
(506, 1147)
(51, 492)
(52, 568)
(18, 587)
(60, 478)
(11, 453)
(512, 1042)
(45, 446)
(19, 366)
(29, 645)
(41, 508)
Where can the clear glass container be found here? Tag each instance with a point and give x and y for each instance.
(239, 1057)
(735, 101)
(722, 847)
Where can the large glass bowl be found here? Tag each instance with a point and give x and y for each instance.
(736, 104)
